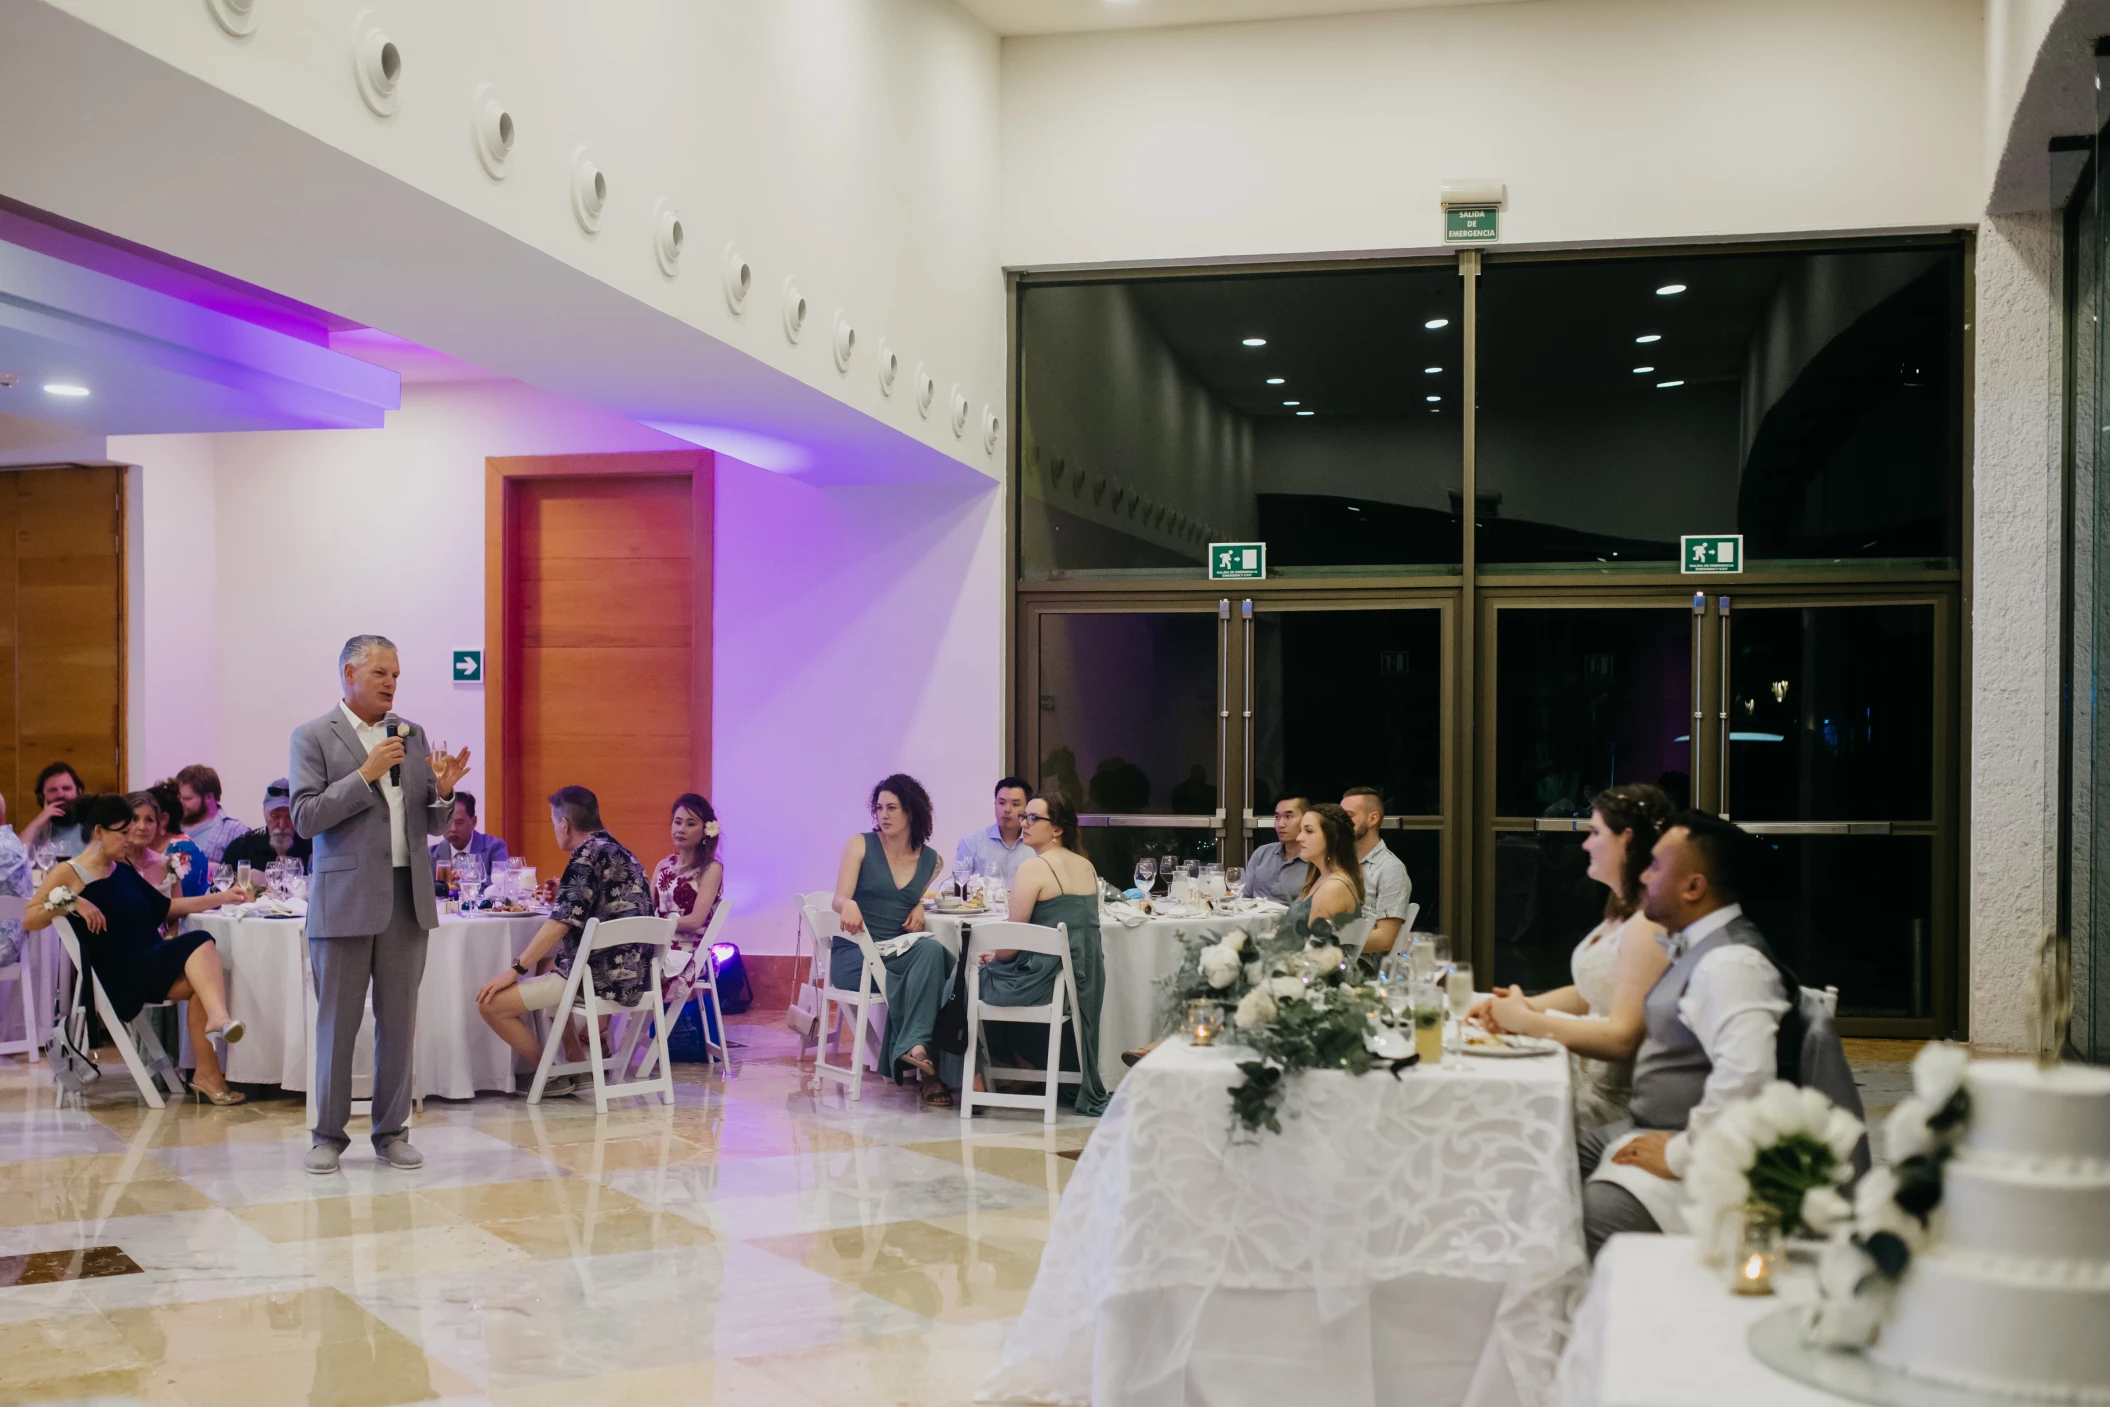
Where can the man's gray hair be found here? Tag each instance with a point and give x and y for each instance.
(359, 647)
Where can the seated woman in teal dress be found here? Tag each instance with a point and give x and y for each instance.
(1058, 885)
(1333, 883)
(879, 890)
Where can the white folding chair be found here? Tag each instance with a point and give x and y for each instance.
(805, 1022)
(1401, 939)
(704, 988)
(1024, 938)
(136, 1042)
(868, 998)
(580, 1000)
(35, 995)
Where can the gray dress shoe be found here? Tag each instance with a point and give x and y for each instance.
(398, 1153)
(321, 1159)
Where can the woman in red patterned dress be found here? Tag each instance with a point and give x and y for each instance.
(689, 885)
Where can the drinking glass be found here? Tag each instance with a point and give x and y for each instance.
(1458, 989)
(1234, 879)
(1422, 956)
(1440, 946)
(469, 869)
(1427, 999)
(244, 875)
(962, 870)
(1168, 866)
(222, 876)
(1146, 873)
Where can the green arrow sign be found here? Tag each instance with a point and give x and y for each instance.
(1237, 561)
(1711, 554)
(468, 666)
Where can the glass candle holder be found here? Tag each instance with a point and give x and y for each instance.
(1205, 1020)
(1759, 1243)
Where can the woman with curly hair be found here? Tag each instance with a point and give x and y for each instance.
(879, 889)
(1600, 1016)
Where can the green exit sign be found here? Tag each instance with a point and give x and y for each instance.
(1237, 561)
(1712, 554)
(468, 666)
(1467, 224)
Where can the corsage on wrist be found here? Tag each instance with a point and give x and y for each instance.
(61, 900)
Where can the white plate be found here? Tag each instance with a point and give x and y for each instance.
(1513, 1047)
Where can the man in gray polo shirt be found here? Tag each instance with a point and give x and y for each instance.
(1386, 887)
(1273, 870)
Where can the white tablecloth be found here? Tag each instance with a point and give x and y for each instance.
(1135, 959)
(48, 956)
(1416, 1239)
(1659, 1329)
(457, 1054)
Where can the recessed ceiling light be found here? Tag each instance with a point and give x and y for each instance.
(1353, 509)
(1256, 341)
(1666, 385)
(1433, 323)
(1432, 398)
(61, 388)
(1669, 288)
(1305, 412)
(1293, 403)
(1639, 370)
(1274, 381)
(1430, 370)
(1650, 337)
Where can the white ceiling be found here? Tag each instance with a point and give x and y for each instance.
(1016, 17)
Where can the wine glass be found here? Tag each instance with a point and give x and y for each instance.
(1146, 873)
(1234, 879)
(962, 871)
(222, 876)
(1168, 866)
(1458, 989)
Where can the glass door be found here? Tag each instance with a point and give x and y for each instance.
(1585, 693)
(1131, 723)
(1836, 712)
(1339, 696)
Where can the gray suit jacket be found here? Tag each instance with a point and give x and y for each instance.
(352, 887)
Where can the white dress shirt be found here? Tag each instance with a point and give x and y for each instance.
(370, 736)
(1733, 1004)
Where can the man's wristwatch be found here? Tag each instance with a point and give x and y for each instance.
(518, 970)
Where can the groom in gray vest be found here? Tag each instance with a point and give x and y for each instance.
(369, 792)
(1713, 1027)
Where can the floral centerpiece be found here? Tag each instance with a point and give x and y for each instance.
(1894, 1206)
(1789, 1147)
(1299, 1006)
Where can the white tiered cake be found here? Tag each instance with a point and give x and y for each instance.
(2012, 1296)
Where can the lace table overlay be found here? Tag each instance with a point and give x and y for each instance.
(1464, 1170)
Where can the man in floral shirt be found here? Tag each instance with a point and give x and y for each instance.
(602, 880)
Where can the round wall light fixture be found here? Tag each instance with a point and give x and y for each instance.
(491, 126)
(926, 391)
(889, 368)
(589, 191)
(739, 279)
(377, 65)
(992, 429)
(667, 236)
(794, 309)
(237, 17)
(845, 341)
(960, 411)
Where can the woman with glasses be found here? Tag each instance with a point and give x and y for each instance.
(879, 889)
(1058, 885)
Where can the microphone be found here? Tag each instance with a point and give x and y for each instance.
(395, 728)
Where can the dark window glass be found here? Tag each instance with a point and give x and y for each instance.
(1545, 901)
(1831, 713)
(1421, 851)
(1149, 428)
(1874, 942)
(1344, 699)
(1810, 401)
(1587, 698)
(1128, 716)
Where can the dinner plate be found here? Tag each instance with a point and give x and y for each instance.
(1512, 1047)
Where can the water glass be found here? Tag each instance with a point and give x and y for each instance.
(1427, 1000)
(1146, 873)
(1234, 879)
(222, 876)
(1168, 866)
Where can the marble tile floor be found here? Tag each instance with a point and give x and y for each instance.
(752, 1244)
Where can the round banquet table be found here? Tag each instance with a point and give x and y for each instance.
(457, 1055)
(1136, 957)
(1410, 1240)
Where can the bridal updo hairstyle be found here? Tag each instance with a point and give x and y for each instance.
(1640, 811)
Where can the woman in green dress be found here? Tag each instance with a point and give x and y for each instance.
(1058, 885)
(879, 889)
(1333, 881)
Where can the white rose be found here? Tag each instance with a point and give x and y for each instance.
(1219, 966)
(1780, 1104)
(1235, 940)
(1876, 1209)
(1727, 1140)
(1816, 1110)
(1325, 959)
(1285, 986)
(1874, 1190)
(1253, 973)
(1937, 1071)
(1716, 1186)
(1823, 1208)
(1905, 1131)
(1257, 1008)
(1844, 1323)
(1842, 1134)
(1841, 1266)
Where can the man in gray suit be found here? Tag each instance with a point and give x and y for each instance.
(370, 901)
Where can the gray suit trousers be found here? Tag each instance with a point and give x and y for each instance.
(1608, 1208)
(394, 962)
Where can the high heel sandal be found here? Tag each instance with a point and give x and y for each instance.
(233, 1031)
(223, 1098)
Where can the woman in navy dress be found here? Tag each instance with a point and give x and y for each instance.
(117, 918)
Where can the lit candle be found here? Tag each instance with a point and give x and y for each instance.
(1758, 1246)
(1204, 1019)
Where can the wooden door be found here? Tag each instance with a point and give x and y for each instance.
(61, 629)
(602, 666)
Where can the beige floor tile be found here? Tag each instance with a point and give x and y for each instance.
(127, 1385)
(73, 1346)
(329, 1217)
(723, 1383)
(380, 1370)
(926, 1269)
(937, 1369)
(631, 1228)
(194, 1125)
(488, 1202)
(34, 1174)
(646, 1151)
(244, 1326)
(395, 1255)
(1031, 1164)
(92, 1197)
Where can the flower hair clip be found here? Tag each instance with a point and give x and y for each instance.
(710, 830)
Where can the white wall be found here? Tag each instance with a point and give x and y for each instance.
(1611, 120)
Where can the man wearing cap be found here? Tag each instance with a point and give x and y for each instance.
(277, 840)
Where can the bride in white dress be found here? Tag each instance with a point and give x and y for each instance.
(1600, 1017)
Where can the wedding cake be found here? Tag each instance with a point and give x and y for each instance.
(2012, 1295)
